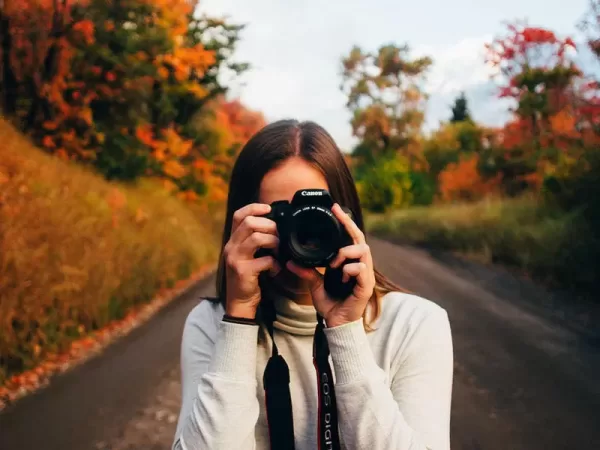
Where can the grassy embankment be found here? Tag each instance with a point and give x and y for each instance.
(544, 242)
(78, 252)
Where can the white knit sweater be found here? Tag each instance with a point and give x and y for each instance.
(393, 385)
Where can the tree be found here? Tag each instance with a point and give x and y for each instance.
(536, 71)
(460, 110)
(385, 97)
(119, 84)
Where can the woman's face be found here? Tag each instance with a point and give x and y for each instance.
(282, 183)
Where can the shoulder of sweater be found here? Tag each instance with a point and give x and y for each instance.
(205, 317)
(412, 325)
(403, 314)
(408, 307)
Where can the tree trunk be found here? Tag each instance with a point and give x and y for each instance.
(49, 68)
(9, 91)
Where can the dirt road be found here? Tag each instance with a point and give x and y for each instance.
(527, 369)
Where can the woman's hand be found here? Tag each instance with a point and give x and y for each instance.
(338, 312)
(248, 234)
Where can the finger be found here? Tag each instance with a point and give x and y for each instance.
(255, 241)
(258, 265)
(252, 209)
(355, 233)
(252, 224)
(356, 251)
(358, 270)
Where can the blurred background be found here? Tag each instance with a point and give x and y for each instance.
(473, 133)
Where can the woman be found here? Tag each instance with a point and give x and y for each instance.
(391, 352)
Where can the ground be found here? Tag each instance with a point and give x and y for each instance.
(526, 368)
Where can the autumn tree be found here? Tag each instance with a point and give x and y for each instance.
(385, 97)
(118, 84)
(536, 70)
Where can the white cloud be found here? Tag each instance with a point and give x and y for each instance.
(457, 66)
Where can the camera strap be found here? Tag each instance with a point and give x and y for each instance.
(327, 431)
(278, 398)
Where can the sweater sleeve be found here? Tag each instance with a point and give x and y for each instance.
(412, 412)
(219, 403)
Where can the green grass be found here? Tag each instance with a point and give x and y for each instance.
(544, 242)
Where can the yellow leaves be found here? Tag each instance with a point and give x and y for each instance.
(198, 91)
(163, 72)
(174, 169)
(189, 196)
(176, 145)
(159, 152)
(185, 59)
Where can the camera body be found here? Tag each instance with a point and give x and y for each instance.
(311, 236)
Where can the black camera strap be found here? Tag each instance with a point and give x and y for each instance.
(278, 398)
(327, 431)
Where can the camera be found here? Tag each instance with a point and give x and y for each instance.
(311, 236)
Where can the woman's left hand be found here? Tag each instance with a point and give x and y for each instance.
(339, 312)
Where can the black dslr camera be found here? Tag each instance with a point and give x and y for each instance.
(311, 236)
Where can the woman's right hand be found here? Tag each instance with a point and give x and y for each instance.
(248, 234)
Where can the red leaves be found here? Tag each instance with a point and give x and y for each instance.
(538, 35)
(537, 70)
(525, 47)
(86, 29)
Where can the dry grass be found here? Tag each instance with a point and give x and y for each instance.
(544, 242)
(76, 251)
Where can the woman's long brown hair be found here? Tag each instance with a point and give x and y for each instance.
(269, 148)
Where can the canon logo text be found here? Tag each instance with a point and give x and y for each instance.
(309, 193)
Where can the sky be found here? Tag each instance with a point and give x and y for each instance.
(295, 49)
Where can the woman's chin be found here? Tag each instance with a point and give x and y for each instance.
(289, 284)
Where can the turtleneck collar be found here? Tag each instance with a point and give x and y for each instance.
(294, 318)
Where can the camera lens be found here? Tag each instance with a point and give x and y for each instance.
(314, 237)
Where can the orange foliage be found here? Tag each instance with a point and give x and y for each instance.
(462, 181)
